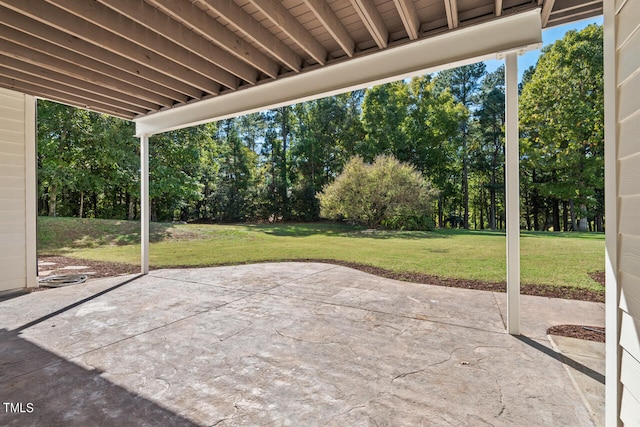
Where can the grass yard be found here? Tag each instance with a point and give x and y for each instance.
(563, 259)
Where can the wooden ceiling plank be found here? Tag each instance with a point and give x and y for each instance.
(547, 8)
(135, 73)
(54, 17)
(23, 53)
(64, 97)
(110, 20)
(451, 7)
(252, 29)
(185, 12)
(29, 73)
(160, 23)
(330, 21)
(409, 16)
(281, 17)
(371, 18)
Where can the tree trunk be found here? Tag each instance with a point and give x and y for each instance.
(599, 223)
(584, 223)
(556, 214)
(132, 213)
(465, 183)
(81, 204)
(565, 216)
(574, 218)
(154, 211)
(53, 197)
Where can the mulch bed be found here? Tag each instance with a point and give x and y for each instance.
(109, 269)
(590, 333)
(101, 269)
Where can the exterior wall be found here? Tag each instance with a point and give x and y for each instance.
(17, 191)
(624, 39)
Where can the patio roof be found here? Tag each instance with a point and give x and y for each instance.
(134, 58)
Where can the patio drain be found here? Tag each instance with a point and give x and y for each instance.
(63, 280)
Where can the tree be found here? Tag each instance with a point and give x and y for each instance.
(384, 109)
(326, 132)
(488, 150)
(463, 82)
(232, 199)
(174, 170)
(385, 192)
(431, 127)
(562, 110)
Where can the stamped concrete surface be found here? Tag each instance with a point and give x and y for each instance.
(298, 344)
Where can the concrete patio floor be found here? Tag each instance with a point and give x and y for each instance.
(298, 344)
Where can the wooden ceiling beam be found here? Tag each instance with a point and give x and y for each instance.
(409, 15)
(371, 18)
(451, 8)
(136, 85)
(122, 27)
(498, 10)
(330, 21)
(160, 23)
(547, 8)
(249, 27)
(40, 76)
(160, 83)
(63, 97)
(69, 24)
(187, 14)
(281, 17)
(23, 53)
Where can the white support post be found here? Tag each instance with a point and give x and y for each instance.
(613, 314)
(512, 175)
(31, 185)
(144, 203)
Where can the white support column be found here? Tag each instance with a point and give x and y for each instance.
(512, 178)
(31, 186)
(613, 315)
(144, 203)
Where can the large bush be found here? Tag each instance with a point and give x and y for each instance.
(386, 193)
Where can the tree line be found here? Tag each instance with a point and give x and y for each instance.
(273, 165)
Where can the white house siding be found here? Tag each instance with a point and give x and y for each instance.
(627, 76)
(17, 191)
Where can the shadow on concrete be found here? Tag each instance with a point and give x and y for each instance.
(75, 304)
(562, 358)
(39, 388)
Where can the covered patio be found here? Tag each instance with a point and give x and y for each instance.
(173, 64)
(288, 344)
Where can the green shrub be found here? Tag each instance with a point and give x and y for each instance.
(386, 193)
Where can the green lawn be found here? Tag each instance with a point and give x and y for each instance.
(547, 258)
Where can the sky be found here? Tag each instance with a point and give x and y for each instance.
(549, 36)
